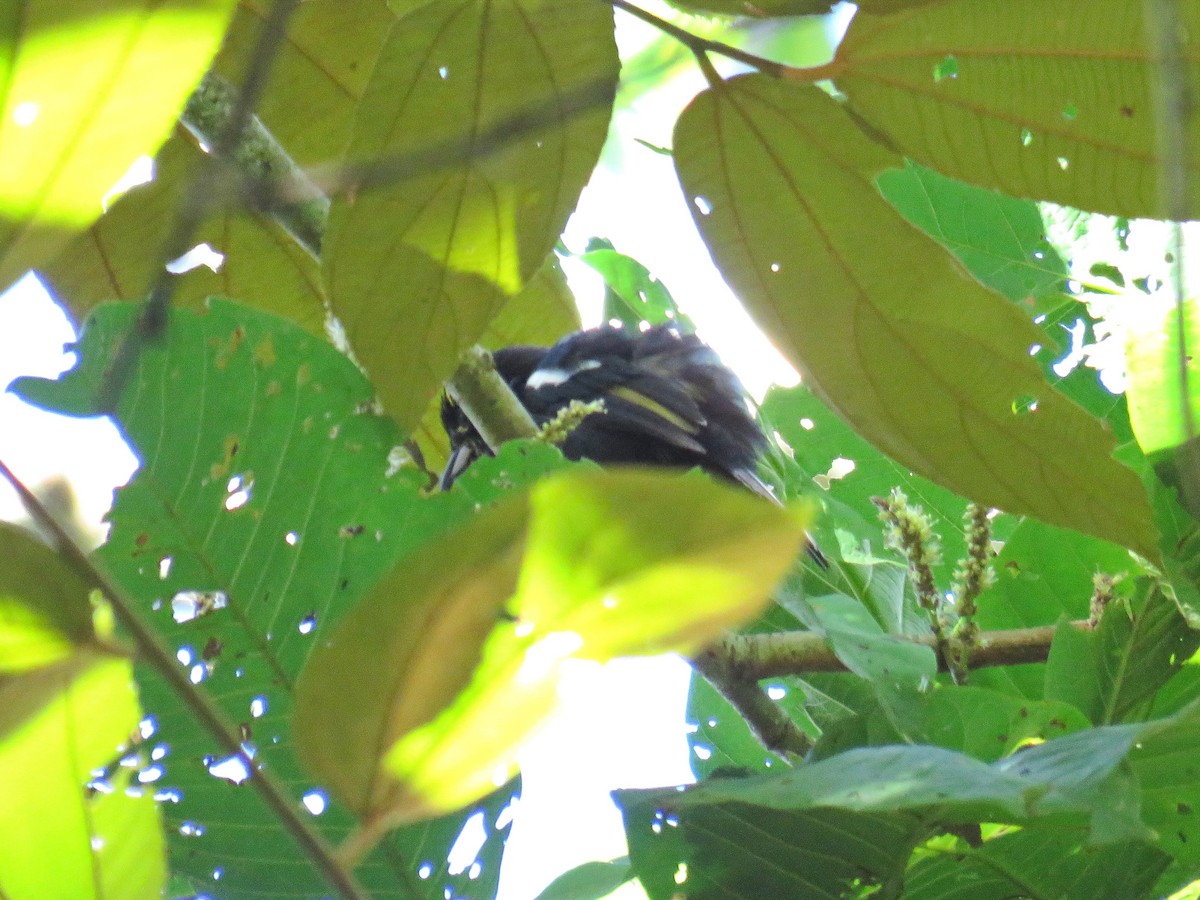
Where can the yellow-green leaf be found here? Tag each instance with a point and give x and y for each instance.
(1053, 101)
(118, 257)
(918, 357)
(319, 73)
(58, 724)
(1159, 410)
(418, 702)
(517, 95)
(44, 607)
(87, 89)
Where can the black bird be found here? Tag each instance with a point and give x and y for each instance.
(668, 401)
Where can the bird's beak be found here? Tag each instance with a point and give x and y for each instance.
(460, 458)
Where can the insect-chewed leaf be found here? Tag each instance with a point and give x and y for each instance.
(492, 115)
(65, 140)
(419, 701)
(949, 84)
(923, 361)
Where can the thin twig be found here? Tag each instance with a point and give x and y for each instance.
(151, 647)
(701, 46)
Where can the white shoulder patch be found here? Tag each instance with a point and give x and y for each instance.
(543, 378)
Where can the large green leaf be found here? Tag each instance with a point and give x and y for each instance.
(738, 851)
(66, 139)
(1038, 862)
(262, 509)
(119, 256)
(1049, 102)
(517, 95)
(474, 630)
(923, 361)
(1098, 782)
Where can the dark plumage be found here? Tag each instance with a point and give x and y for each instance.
(668, 401)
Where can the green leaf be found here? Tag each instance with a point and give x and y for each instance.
(590, 881)
(812, 438)
(118, 257)
(1001, 240)
(62, 838)
(862, 644)
(1159, 332)
(464, 234)
(983, 723)
(262, 510)
(1093, 775)
(1036, 861)
(948, 85)
(44, 608)
(1043, 574)
(633, 295)
(67, 140)
(924, 362)
(584, 571)
(1114, 673)
(741, 851)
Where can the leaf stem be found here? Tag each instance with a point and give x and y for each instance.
(703, 46)
(151, 647)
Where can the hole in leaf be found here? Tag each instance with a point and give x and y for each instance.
(189, 605)
(239, 491)
(200, 255)
(315, 801)
(703, 205)
(1026, 137)
(1024, 405)
(1070, 111)
(947, 69)
(467, 845)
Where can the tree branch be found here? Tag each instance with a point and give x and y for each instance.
(485, 397)
(770, 724)
(751, 657)
(260, 157)
(207, 713)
